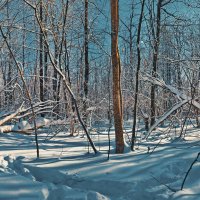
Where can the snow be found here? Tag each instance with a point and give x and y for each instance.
(65, 169)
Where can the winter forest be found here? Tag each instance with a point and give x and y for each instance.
(99, 99)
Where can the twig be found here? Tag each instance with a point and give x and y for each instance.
(171, 189)
(190, 168)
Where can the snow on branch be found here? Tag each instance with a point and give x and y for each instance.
(25, 127)
(183, 97)
(167, 114)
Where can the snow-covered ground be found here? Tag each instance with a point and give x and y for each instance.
(65, 170)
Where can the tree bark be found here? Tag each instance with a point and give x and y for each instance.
(8, 95)
(117, 96)
(155, 60)
(45, 62)
(41, 56)
(137, 77)
(86, 75)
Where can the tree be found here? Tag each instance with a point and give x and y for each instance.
(137, 75)
(117, 96)
(156, 36)
(58, 69)
(86, 75)
(41, 56)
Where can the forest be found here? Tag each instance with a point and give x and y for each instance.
(99, 99)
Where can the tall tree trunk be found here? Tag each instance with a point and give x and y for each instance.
(73, 110)
(117, 96)
(155, 60)
(45, 62)
(86, 75)
(8, 95)
(197, 94)
(41, 55)
(137, 76)
(55, 82)
(131, 36)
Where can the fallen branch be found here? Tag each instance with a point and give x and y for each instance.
(165, 116)
(185, 99)
(171, 189)
(20, 113)
(172, 89)
(11, 116)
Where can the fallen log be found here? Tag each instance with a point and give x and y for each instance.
(10, 116)
(20, 113)
(24, 127)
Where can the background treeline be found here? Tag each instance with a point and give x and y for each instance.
(75, 36)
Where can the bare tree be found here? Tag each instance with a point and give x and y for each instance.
(86, 54)
(137, 76)
(62, 75)
(41, 55)
(156, 36)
